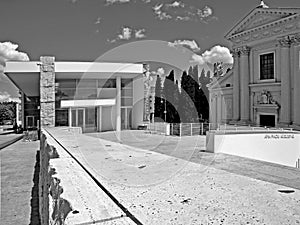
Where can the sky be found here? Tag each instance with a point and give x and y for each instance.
(86, 30)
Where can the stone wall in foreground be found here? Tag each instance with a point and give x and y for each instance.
(53, 208)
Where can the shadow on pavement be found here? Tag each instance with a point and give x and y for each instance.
(34, 202)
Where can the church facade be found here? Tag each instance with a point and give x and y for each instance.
(263, 88)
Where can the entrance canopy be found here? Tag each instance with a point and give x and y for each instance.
(26, 75)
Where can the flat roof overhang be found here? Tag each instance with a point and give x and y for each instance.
(26, 75)
(87, 103)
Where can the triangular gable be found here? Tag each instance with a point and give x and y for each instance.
(222, 81)
(260, 17)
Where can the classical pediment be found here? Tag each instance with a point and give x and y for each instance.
(260, 17)
(225, 81)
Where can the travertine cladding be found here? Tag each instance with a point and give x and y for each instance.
(53, 208)
(47, 91)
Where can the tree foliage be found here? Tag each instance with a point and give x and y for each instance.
(158, 105)
(171, 96)
(7, 111)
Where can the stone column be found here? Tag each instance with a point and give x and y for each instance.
(118, 104)
(295, 48)
(70, 116)
(47, 92)
(244, 82)
(236, 85)
(285, 109)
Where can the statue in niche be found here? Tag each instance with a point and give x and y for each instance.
(266, 98)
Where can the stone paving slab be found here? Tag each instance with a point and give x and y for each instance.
(256, 169)
(18, 205)
(90, 202)
(161, 189)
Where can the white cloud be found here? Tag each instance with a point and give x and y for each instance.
(160, 71)
(157, 7)
(125, 33)
(182, 12)
(6, 97)
(215, 54)
(128, 33)
(98, 20)
(110, 2)
(191, 44)
(205, 12)
(175, 4)
(8, 52)
(183, 18)
(161, 14)
(140, 33)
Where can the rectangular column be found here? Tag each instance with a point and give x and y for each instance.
(118, 104)
(244, 82)
(295, 48)
(47, 91)
(236, 87)
(70, 116)
(285, 109)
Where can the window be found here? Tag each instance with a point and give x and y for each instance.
(126, 83)
(107, 83)
(266, 63)
(61, 117)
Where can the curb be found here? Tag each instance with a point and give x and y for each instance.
(10, 142)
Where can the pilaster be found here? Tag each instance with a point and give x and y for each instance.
(295, 51)
(285, 109)
(47, 91)
(118, 104)
(244, 83)
(236, 85)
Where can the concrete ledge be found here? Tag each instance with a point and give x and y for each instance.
(69, 195)
(11, 141)
(280, 147)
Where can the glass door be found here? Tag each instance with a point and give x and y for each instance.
(77, 116)
(126, 121)
(80, 118)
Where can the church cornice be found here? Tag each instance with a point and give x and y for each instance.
(288, 24)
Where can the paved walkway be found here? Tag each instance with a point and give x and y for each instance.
(162, 189)
(19, 180)
(192, 152)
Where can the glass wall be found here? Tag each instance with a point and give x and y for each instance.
(126, 92)
(126, 103)
(74, 89)
(31, 112)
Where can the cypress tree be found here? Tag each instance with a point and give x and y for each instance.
(158, 105)
(187, 108)
(169, 92)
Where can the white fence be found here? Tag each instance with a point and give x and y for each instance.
(179, 129)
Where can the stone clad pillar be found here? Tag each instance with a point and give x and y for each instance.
(47, 92)
(295, 48)
(236, 85)
(244, 82)
(118, 104)
(285, 99)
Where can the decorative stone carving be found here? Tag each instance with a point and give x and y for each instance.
(284, 41)
(266, 31)
(266, 98)
(245, 50)
(295, 39)
(235, 53)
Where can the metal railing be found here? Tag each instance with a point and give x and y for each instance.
(179, 129)
(191, 129)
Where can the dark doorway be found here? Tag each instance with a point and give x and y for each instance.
(267, 120)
